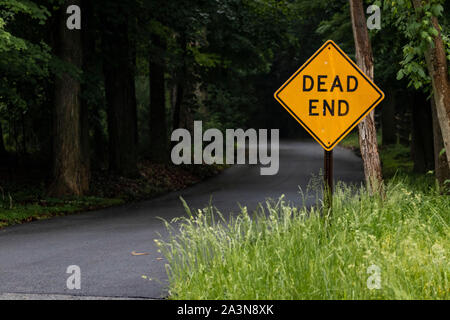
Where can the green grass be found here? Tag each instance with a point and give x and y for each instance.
(284, 252)
(28, 201)
(15, 213)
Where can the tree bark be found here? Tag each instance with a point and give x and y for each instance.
(437, 68)
(119, 90)
(367, 131)
(158, 126)
(442, 171)
(69, 177)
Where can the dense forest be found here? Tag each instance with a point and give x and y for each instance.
(94, 95)
(105, 95)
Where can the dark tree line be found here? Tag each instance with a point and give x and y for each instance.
(111, 93)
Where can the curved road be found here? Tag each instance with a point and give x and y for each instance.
(34, 256)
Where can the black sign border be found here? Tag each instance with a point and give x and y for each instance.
(364, 114)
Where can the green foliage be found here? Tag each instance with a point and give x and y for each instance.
(338, 25)
(416, 25)
(25, 65)
(285, 252)
(18, 56)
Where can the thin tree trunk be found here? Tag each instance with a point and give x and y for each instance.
(2, 142)
(173, 101)
(442, 171)
(158, 125)
(437, 68)
(4, 156)
(180, 88)
(89, 66)
(100, 142)
(68, 169)
(422, 134)
(16, 138)
(367, 131)
(120, 102)
(132, 31)
(177, 107)
(388, 120)
(24, 136)
(85, 146)
(132, 83)
(403, 119)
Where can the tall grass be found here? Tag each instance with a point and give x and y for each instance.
(284, 252)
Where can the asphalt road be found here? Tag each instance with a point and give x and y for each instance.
(34, 256)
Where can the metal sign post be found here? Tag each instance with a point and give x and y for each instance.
(328, 179)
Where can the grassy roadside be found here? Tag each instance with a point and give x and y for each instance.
(284, 252)
(27, 200)
(13, 212)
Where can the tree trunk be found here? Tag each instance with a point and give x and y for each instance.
(367, 131)
(437, 68)
(85, 146)
(69, 178)
(389, 135)
(132, 84)
(422, 134)
(89, 67)
(2, 142)
(441, 168)
(180, 87)
(100, 142)
(403, 119)
(158, 126)
(24, 135)
(119, 90)
(176, 122)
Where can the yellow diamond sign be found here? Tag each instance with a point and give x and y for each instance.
(329, 95)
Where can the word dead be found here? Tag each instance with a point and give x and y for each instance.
(332, 107)
(237, 144)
